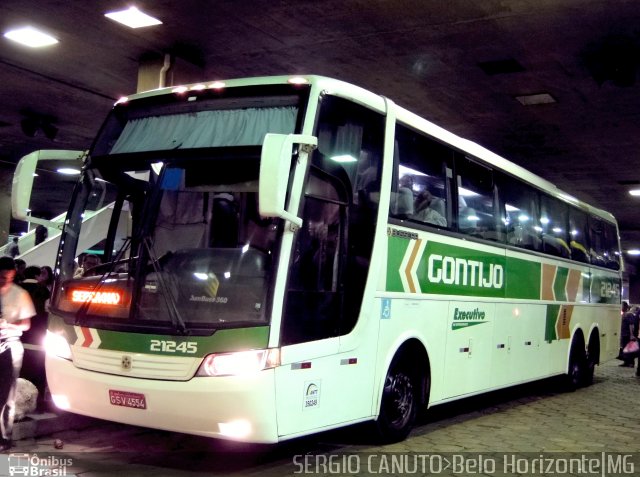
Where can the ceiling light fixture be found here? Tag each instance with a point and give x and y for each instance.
(68, 171)
(30, 37)
(344, 158)
(533, 99)
(634, 192)
(133, 18)
(633, 251)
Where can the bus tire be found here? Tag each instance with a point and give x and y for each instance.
(399, 403)
(592, 359)
(577, 364)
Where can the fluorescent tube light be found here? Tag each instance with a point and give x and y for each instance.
(133, 18)
(67, 171)
(30, 37)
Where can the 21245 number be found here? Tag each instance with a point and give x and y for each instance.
(186, 347)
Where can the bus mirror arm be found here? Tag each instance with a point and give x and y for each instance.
(22, 183)
(275, 167)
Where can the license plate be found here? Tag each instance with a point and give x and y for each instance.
(127, 399)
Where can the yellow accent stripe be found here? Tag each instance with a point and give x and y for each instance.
(573, 284)
(548, 277)
(412, 259)
(564, 320)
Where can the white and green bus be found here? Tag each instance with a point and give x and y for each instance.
(282, 256)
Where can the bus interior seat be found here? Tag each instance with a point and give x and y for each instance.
(578, 252)
(525, 238)
(555, 246)
(402, 203)
(467, 224)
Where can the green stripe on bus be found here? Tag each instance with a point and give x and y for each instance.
(395, 254)
(550, 332)
(449, 270)
(221, 341)
(560, 284)
(237, 339)
(523, 279)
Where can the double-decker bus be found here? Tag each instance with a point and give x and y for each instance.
(283, 256)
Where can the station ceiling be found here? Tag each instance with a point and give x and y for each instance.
(463, 64)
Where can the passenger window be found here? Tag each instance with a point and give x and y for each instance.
(419, 192)
(597, 241)
(520, 205)
(604, 244)
(553, 226)
(613, 246)
(476, 214)
(578, 235)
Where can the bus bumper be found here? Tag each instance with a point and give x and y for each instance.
(240, 408)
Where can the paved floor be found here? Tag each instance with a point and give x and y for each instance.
(525, 430)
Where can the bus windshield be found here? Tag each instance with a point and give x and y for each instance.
(181, 246)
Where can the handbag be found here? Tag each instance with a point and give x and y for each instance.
(631, 348)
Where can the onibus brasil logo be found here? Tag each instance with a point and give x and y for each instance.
(35, 465)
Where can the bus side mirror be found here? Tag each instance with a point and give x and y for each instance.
(275, 166)
(22, 184)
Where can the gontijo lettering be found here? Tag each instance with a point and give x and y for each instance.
(458, 271)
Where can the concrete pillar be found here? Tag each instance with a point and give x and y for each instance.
(634, 283)
(6, 176)
(158, 71)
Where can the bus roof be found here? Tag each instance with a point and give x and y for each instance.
(378, 102)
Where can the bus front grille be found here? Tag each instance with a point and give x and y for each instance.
(135, 365)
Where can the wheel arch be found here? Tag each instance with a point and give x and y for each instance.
(413, 350)
(593, 344)
(577, 339)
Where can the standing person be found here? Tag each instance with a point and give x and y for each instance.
(33, 362)
(46, 277)
(636, 329)
(13, 250)
(17, 310)
(20, 266)
(628, 332)
(41, 234)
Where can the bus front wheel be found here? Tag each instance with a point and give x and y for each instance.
(399, 404)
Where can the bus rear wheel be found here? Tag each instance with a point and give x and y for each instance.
(577, 366)
(592, 358)
(398, 406)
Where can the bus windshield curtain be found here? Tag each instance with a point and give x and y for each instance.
(232, 127)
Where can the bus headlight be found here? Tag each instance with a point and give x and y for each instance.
(239, 363)
(238, 429)
(57, 345)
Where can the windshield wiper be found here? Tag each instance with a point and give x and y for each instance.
(174, 313)
(142, 236)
